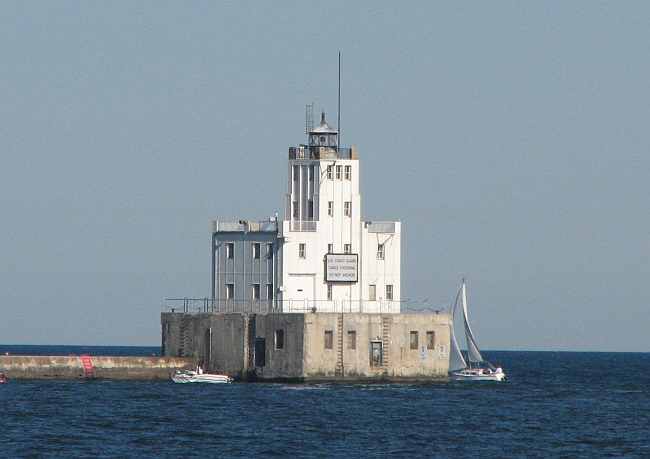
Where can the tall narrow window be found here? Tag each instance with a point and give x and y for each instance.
(389, 292)
(352, 339)
(348, 172)
(296, 210)
(256, 250)
(372, 292)
(269, 291)
(347, 248)
(330, 208)
(255, 292)
(329, 292)
(380, 251)
(269, 250)
(302, 251)
(330, 248)
(431, 340)
(329, 339)
(347, 208)
(329, 172)
(310, 208)
(230, 291)
(414, 340)
(230, 250)
(279, 339)
(311, 173)
(339, 169)
(296, 173)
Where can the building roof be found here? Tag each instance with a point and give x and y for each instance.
(324, 128)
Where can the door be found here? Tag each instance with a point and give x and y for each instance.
(376, 353)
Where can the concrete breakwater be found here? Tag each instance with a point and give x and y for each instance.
(100, 367)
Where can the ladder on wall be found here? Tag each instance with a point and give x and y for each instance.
(87, 364)
(386, 323)
(339, 370)
(184, 346)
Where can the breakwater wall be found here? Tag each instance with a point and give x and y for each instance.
(100, 367)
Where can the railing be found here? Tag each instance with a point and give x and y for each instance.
(304, 225)
(209, 305)
(244, 225)
(319, 152)
(380, 227)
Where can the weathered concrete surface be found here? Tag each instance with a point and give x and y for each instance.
(225, 343)
(70, 367)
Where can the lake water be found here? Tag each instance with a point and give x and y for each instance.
(558, 404)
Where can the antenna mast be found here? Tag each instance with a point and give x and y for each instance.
(338, 112)
(309, 118)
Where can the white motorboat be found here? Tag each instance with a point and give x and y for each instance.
(197, 376)
(475, 368)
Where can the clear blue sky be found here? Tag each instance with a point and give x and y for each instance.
(511, 139)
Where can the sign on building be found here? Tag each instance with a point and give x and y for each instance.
(341, 267)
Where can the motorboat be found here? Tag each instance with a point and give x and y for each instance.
(474, 367)
(198, 376)
(3, 378)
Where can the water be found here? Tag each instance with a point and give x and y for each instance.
(555, 404)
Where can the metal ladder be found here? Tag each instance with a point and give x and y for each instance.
(339, 370)
(183, 348)
(386, 323)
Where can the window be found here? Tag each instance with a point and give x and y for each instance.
(347, 248)
(348, 172)
(296, 173)
(329, 292)
(347, 208)
(256, 250)
(329, 172)
(380, 251)
(279, 339)
(230, 291)
(389, 292)
(414, 340)
(311, 173)
(330, 208)
(372, 292)
(230, 250)
(339, 169)
(302, 253)
(269, 250)
(310, 208)
(329, 339)
(330, 248)
(255, 292)
(431, 340)
(269, 291)
(352, 339)
(296, 210)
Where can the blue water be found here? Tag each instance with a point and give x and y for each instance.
(554, 405)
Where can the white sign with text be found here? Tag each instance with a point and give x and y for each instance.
(341, 267)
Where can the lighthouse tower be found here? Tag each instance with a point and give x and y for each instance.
(331, 260)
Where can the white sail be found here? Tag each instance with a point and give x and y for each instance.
(473, 354)
(456, 360)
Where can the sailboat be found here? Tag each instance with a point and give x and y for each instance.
(475, 368)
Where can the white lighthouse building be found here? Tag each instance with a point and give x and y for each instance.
(323, 256)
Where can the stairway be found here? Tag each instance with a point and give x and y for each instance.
(339, 370)
(386, 323)
(87, 363)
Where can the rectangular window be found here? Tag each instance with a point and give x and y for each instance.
(380, 251)
(347, 208)
(352, 339)
(330, 248)
(311, 173)
(330, 208)
(372, 292)
(348, 172)
(230, 291)
(347, 248)
(329, 172)
(339, 169)
(296, 210)
(431, 340)
(256, 250)
(269, 291)
(279, 339)
(310, 208)
(389, 292)
(230, 250)
(269, 250)
(302, 251)
(329, 339)
(296, 173)
(414, 340)
(329, 292)
(255, 292)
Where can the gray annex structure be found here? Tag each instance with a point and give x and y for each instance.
(314, 295)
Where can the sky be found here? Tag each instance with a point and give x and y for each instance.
(510, 139)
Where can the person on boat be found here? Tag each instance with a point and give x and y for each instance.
(3, 378)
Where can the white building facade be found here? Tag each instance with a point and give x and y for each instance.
(325, 256)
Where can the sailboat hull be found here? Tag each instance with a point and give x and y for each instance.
(478, 375)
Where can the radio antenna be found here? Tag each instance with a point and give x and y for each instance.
(338, 113)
